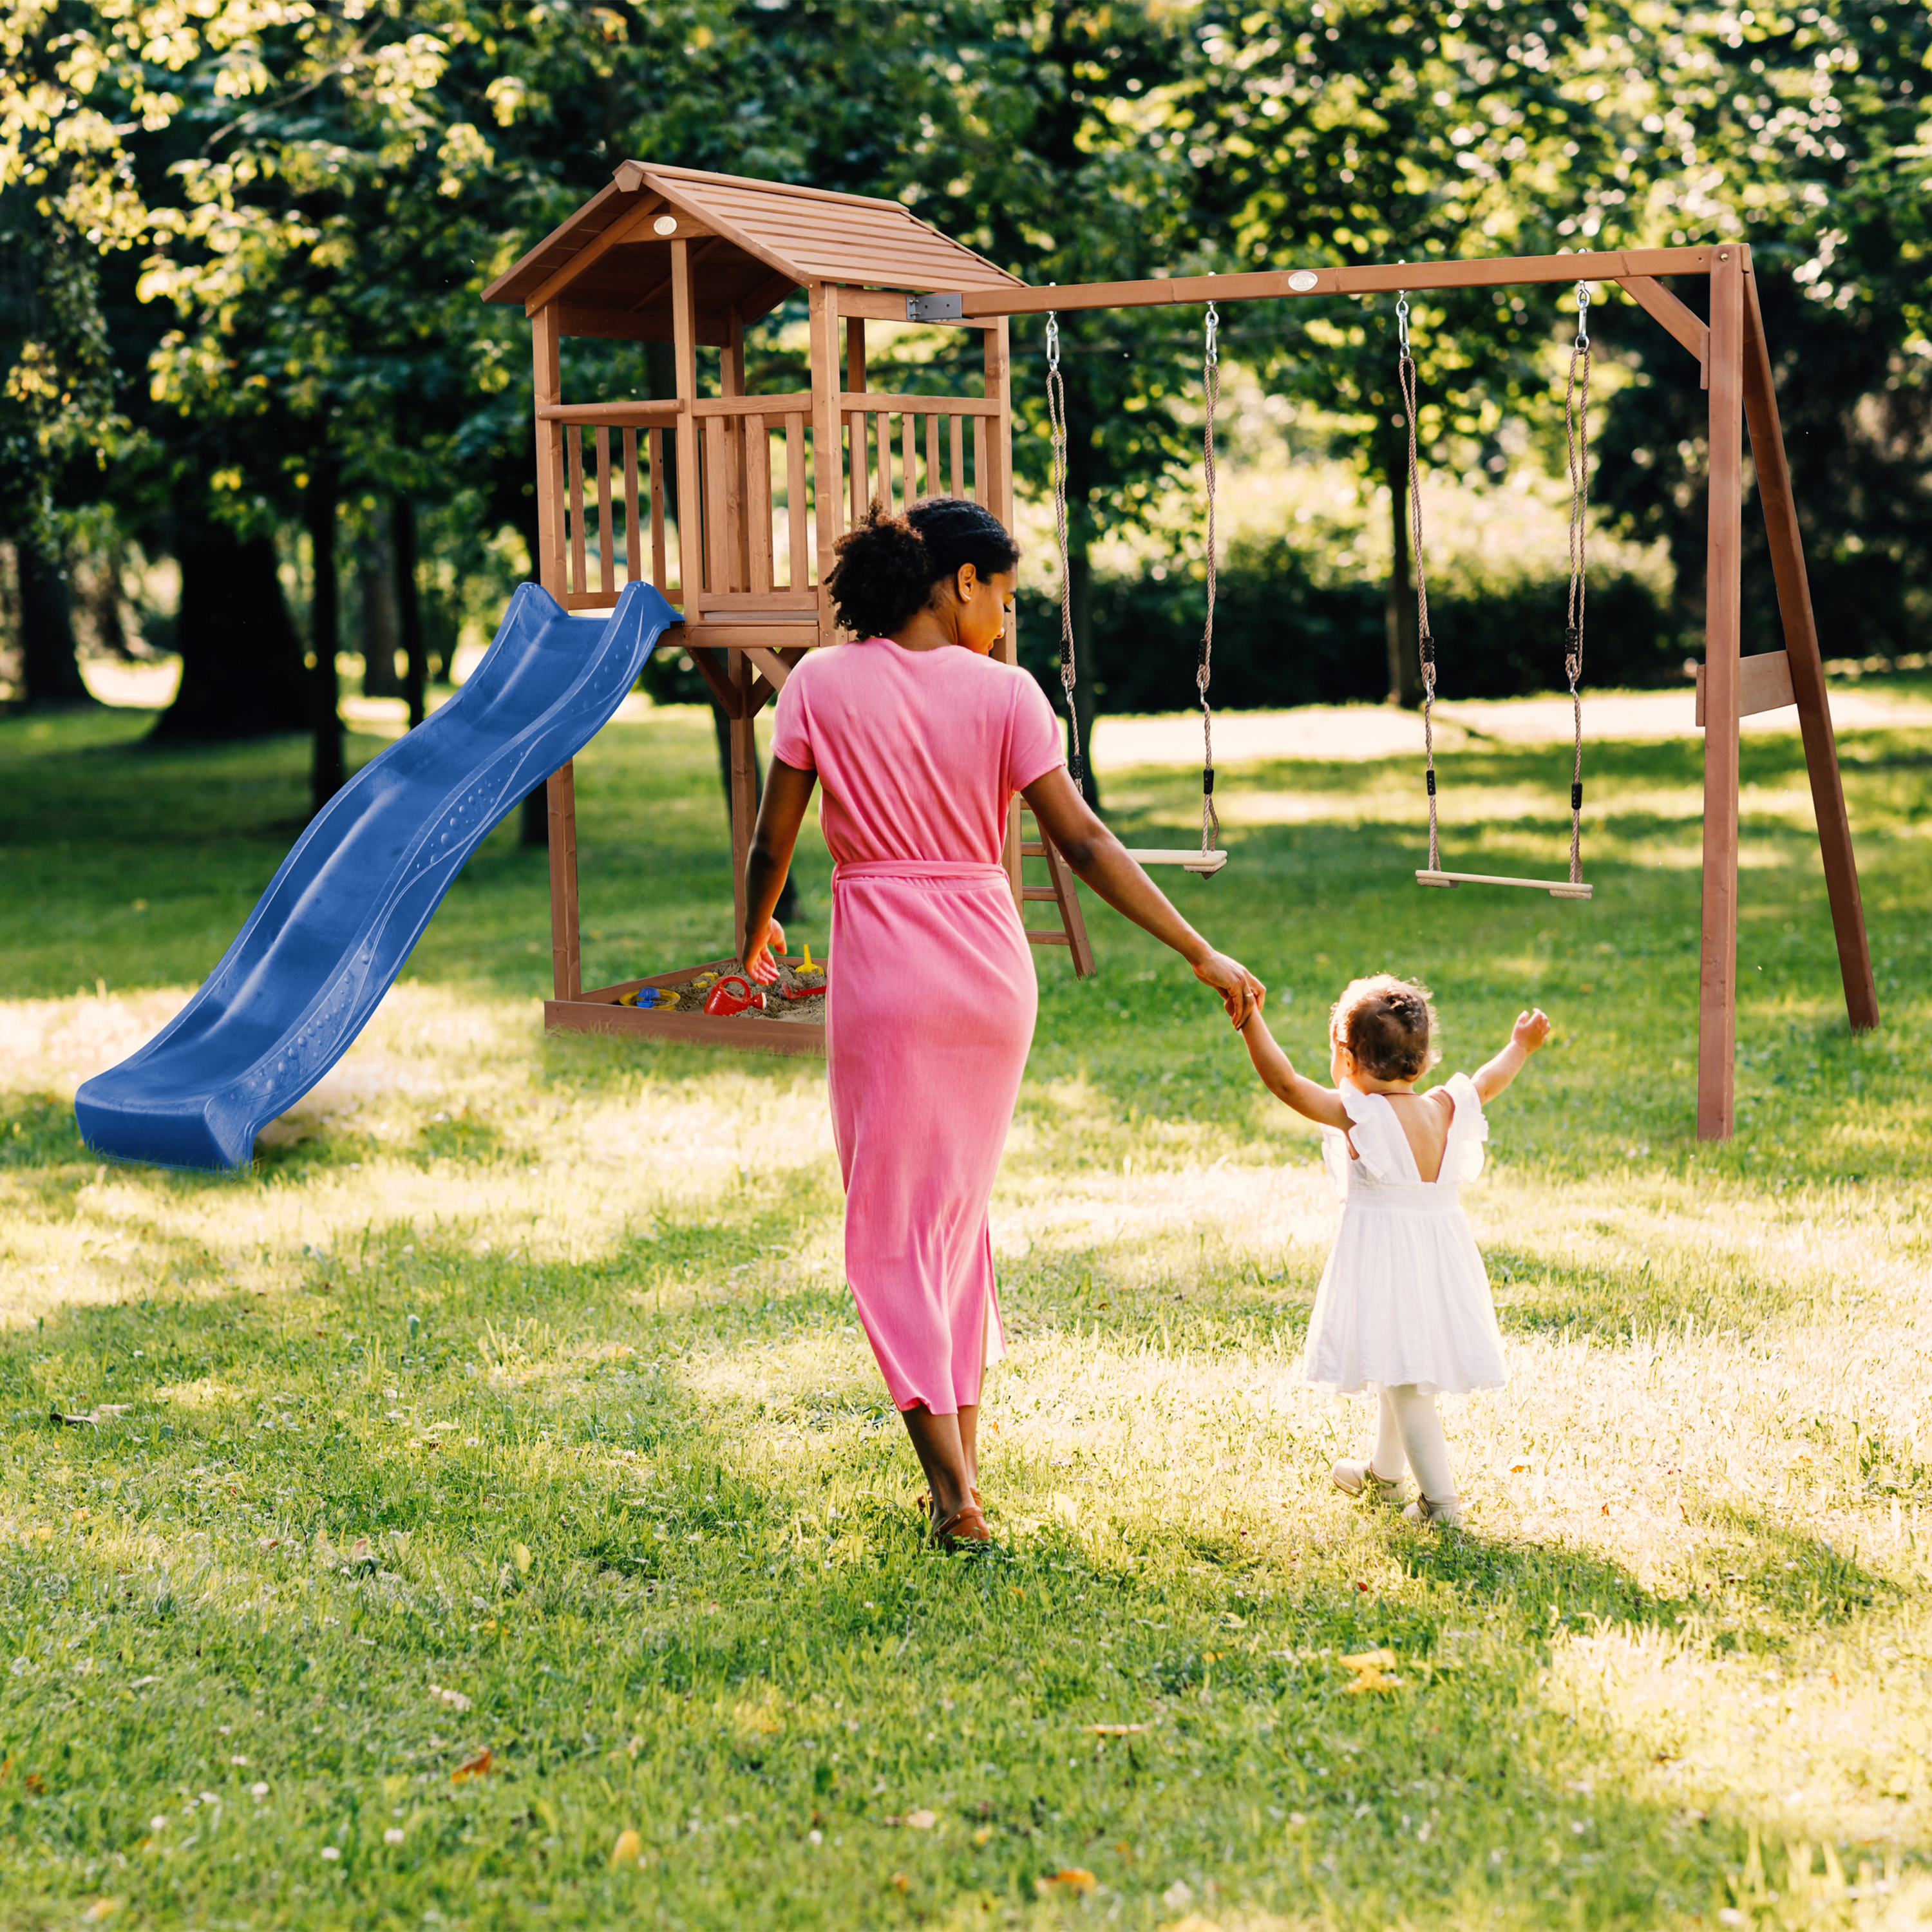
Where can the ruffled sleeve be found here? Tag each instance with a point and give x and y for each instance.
(1380, 1145)
(1469, 1129)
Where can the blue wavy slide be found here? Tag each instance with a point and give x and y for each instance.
(338, 919)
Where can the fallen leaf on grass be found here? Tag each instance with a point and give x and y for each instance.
(1194, 1922)
(920, 1820)
(520, 1556)
(1117, 1730)
(1073, 1878)
(478, 1766)
(629, 1845)
(900, 1882)
(454, 1699)
(1370, 1668)
(101, 1908)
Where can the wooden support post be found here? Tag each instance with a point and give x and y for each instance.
(744, 786)
(565, 953)
(1806, 665)
(994, 463)
(825, 479)
(855, 423)
(691, 544)
(1718, 964)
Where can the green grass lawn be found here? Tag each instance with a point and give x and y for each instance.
(500, 1522)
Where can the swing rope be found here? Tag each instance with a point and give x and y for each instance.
(1056, 420)
(1577, 430)
(1211, 378)
(1425, 643)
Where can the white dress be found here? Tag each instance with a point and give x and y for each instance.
(1404, 1297)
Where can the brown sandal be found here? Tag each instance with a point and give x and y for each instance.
(965, 1526)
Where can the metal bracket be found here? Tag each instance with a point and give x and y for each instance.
(936, 308)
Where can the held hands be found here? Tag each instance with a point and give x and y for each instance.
(1530, 1031)
(757, 960)
(1241, 993)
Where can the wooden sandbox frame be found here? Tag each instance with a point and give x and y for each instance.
(671, 254)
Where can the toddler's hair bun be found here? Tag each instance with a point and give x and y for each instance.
(887, 565)
(1388, 1024)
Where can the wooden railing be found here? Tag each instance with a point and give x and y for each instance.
(757, 489)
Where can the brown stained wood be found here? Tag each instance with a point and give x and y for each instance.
(823, 309)
(744, 787)
(1764, 684)
(1064, 892)
(956, 432)
(945, 406)
(632, 225)
(684, 355)
(566, 965)
(760, 637)
(935, 477)
(573, 438)
(719, 525)
(606, 547)
(1717, 984)
(1805, 663)
(635, 412)
(659, 568)
(737, 482)
(855, 356)
(633, 562)
(774, 667)
(882, 428)
(715, 674)
(1603, 266)
(798, 540)
(739, 602)
(909, 459)
(978, 492)
(547, 383)
(779, 399)
(1678, 321)
(792, 1038)
(758, 500)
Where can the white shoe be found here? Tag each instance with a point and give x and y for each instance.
(1353, 1478)
(1449, 1510)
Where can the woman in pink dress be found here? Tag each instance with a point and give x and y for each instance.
(921, 739)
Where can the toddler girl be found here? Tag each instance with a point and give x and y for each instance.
(1404, 1302)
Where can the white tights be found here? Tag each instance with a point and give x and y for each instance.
(1408, 1435)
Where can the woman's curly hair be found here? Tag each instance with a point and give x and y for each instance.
(887, 565)
(1388, 1024)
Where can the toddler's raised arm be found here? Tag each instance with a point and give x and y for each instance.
(1530, 1031)
(1320, 1104)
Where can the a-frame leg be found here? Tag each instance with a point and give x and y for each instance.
(1808, 669)
(565, 949)
(1723, 591)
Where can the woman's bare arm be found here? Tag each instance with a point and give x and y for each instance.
(781, 813)
(1320, 1104)
(1101, 860)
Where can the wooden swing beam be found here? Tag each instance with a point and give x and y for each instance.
(1734, 365)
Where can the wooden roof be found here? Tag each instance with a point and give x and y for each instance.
(608, 267)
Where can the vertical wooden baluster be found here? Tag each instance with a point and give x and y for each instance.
(579, 579)
(822, 307)
(607, 548)
(909, 458)
(659, 567)
(856, 422)
(801, 570)
(758, 501)
(718, 574)
(738, 479)
(957, 436)
(633, 536)
(935, 483)
(978, 492)
(884, 494)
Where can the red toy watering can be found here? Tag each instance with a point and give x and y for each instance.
(733, 994)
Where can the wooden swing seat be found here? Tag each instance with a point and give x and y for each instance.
(1206, 864)
(1557, 889)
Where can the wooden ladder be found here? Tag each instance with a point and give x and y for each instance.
(1071, 932)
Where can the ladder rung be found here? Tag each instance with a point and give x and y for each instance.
(1038, 938)
(1028, 850)
(1039, 893)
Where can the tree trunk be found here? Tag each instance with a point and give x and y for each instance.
(241, 660)
(50, 672)
(408, 609)
(326, 771)
(376, 593)
(1405, 671)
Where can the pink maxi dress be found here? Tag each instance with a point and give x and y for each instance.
(930, 1009)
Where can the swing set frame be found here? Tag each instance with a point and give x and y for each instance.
(1735, 367)
(731, 502)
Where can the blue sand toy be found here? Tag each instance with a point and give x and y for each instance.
(340, 917)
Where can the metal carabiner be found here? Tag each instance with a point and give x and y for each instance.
(1582, 315)
(1052, 339)
(1213, 355)
(1401, 319)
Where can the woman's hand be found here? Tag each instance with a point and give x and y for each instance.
(1241, 993)
(756, 960)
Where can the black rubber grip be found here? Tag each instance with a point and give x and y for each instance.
(1576, 797)
(1431, 777)
(1208, 780)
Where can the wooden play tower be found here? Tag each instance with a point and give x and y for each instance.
(731, 503)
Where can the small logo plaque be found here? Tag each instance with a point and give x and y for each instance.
(1303, 279)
